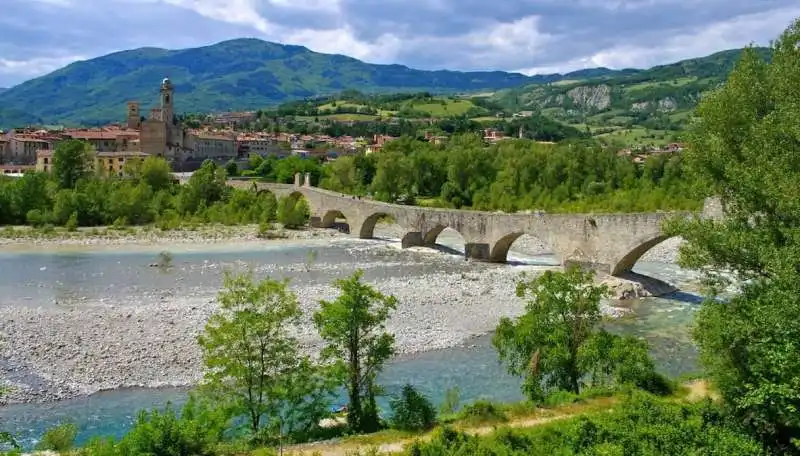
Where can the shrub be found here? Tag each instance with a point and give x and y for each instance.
(60, 438)
(72, 223)
(483, 411)
(450, 404)
(412, 411)
(34, 217)
(293, 212)
(195, 433)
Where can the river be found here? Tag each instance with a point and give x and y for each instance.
(122, 276)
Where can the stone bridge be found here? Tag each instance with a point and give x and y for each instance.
(607, 243)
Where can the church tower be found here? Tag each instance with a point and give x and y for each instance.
(167, 110)
(134, 117)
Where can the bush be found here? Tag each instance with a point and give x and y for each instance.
(72, 223)
(195, 433)
(452, 398)
(60, 438)
(34, 217)
(412, 411)
(293, 212)
(483, 411)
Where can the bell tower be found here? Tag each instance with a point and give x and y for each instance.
(167, 110)
(134, 118)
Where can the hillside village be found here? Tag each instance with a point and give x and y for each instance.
(222, 137)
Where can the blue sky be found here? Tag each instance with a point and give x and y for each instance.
(530, 36)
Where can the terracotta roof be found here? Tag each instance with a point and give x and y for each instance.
(214, 137)
(124, 153)
(89, 135)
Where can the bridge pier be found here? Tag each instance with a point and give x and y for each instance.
(412, 239)
(479, 251)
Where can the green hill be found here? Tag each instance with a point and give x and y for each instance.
(635, 106)
(232, 75)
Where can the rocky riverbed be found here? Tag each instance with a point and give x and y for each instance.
(58, 352)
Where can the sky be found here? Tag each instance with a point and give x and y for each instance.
(527, 36)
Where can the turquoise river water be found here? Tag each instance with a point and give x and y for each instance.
(41, 278)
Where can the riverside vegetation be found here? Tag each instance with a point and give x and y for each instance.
(512, 176)
(743, 147)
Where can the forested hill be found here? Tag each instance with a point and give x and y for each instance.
(659, 98)
(250, 74)
(238, 74)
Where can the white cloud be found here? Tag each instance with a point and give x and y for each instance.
(537, 36)
(35, 66)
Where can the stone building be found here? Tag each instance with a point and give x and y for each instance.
(161, 134)
(212, 145)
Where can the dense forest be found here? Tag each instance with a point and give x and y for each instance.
(514, 176)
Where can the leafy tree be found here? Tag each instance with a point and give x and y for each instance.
(154, 171)
(206, 186)
(72, 160)
(232, 168)
(411, 411)
(543, 345)
(293, 211)
(252, 361)
(744, 147)
(353, 325)
(556, 344)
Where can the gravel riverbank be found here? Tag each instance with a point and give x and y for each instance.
(58, 352)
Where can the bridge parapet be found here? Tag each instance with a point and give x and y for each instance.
(609, 243)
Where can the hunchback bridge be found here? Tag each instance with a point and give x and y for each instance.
(607, 243)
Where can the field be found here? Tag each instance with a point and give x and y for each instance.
(445, 107)
(639, 136)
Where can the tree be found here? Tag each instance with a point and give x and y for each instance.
(744, 148)
(411, 411)
(293, 211)
(543, 345)
(72, 160)
(154, 171)
(252, 362)
(206, 186)
(353, 325)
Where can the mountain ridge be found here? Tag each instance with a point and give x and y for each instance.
(237, 74)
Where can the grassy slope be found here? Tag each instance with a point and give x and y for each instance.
(520, 416)
(680, 85)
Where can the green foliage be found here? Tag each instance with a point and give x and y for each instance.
(72, 222)
(556, 344)
(245, 74)
(451, 402)
(642, 426)
(353, 327)
(743, 146)
(411, 411)
(72, 160)
(657, 99)
(196, 432)
(293, 211)
(482, 411)
(515, 176)
(60, 438)
(146, 196)
(252, 362)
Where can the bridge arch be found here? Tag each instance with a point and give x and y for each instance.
(626, 263)
(367, 228)
(498, 252)
(433, 233)
(332, 218)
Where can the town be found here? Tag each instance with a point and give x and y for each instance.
(221, 138)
